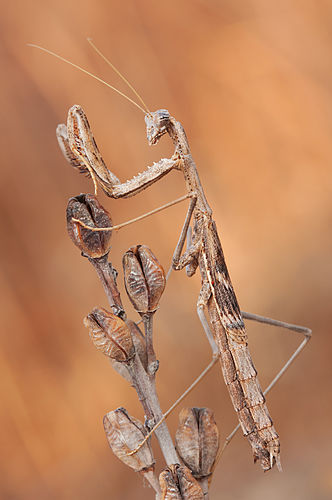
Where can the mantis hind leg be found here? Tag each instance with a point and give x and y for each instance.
(288, 326)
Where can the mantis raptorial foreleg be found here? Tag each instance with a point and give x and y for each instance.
(80, 150)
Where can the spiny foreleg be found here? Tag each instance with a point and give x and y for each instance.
(80, 150)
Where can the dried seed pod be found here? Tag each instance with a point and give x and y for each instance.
(177, 483)
(88, 210)
(110, 335)
(124, 434)
(197, 440)
(144, 278)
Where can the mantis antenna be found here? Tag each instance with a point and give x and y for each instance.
(92, 75)
(118, 73)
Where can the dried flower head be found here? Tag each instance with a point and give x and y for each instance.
(124, 434)
(110, 334)
(197, 440)
(88, 210)
(144, 278)
(177, 483)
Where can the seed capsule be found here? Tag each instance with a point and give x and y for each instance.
(144, 278)
(197, 440)
(88, 210)
(110, 335)
(177, 483)
(124, 434)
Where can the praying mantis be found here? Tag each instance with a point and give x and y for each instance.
(225, 328)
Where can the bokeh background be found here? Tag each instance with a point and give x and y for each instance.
(251, 83)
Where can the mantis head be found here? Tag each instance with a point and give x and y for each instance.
(157, 123)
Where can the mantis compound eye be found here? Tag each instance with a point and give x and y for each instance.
(156, 125)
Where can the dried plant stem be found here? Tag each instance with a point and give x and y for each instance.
(152, 360)
(204, 484)
(154, 483)
(146, 391)
(107, 274)
(178, 401)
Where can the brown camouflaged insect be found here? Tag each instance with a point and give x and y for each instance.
(225, 328)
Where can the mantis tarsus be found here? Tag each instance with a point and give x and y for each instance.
(228, 337)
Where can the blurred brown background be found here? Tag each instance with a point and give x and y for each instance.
(251, 83)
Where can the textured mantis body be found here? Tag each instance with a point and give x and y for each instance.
(224, 311)
(217, 293)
